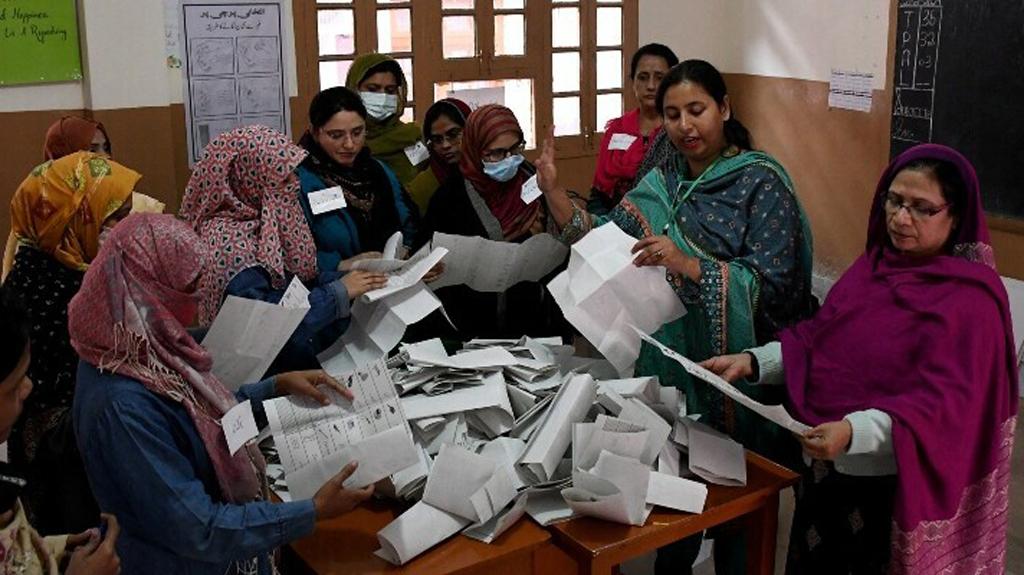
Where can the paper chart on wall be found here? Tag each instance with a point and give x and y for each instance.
(316, 441)
(233, 60)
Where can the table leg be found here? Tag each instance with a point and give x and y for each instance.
(762, 530)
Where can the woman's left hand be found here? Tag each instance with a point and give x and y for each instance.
(662, 251)
(307, 384)
(828, 441)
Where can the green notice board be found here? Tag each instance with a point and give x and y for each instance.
(38, 42)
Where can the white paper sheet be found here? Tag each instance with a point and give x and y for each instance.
(636, 412)
(589, 440)
(417, 153)
(392, 245)
(646, 389)
(552, 438)
(434, 355)
(316, 441)
(412, 271)
(621, 141)
(415, 531)
(246, 336)
(490, 266)
(615, 489)
(377, 328)
(296, 296)
(506, 451)
(675, 492)
(602, 294)
(500, 523)
(239, 426)
(850, 90)
(669, 460)
(467, 484)
(490, 394)
(774, 413)
(715, 457)
(547, 506)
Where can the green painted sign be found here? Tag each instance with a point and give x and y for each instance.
(39, 42)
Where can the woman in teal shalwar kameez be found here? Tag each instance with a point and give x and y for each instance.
(725, 223)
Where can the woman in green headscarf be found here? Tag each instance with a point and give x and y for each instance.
(381, 84)
(724, 223)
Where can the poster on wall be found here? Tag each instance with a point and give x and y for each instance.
(234, 69)
(39, 42)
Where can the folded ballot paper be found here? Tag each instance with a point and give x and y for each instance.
(774, 413)
(408, 274)
(463, 489)
(247, 334)
(602, 294)
(490, 266)
(388, 262)
(316, 441)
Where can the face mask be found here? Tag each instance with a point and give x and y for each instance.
(12, 482)
(503, 170)
(379, 105)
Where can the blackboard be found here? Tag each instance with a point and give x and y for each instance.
(959, 81)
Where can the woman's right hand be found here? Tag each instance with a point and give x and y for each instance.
(346, 265)
(96, 557)
(333, 499)
(730, 367)
(358, 282)
(547, 172)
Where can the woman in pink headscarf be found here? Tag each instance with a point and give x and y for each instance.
(148, 411)
(908, 375)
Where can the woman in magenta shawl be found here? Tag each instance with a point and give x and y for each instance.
(908, 375)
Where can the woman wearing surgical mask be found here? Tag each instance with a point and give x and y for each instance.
(485, 199)
(59, 214)
(381, 84)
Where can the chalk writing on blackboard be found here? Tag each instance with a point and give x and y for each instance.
(918, 26)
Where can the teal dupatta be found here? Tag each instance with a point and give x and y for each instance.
(742, 221)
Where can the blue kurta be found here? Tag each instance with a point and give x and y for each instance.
(148, 466)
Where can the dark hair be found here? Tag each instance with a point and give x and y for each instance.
(954, 190)
(706, 76)
(442, 108)
(653, 49)
(14, 332)
(389, 65)
(331, 101)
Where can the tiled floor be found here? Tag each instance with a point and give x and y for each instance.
(1014, 544)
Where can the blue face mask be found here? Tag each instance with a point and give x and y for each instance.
(503, 170)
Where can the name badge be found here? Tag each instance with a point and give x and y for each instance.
(327, 200)
(417, 153)
(531, 190)
(621, 142)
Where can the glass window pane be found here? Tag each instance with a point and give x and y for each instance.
(510, 35)
(394, 30)
(517, 95)
(333, 73)
(333, 1)
(459, 36)
(609, 26)
(609, 107)
(566, 113)
(510, 4)
(390, 1)
(406, 65)
(565, 72)
(609, 69)
(456, 4)
(565, 27)
(335, 31)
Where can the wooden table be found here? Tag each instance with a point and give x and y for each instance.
(345, 545)
(598, 546)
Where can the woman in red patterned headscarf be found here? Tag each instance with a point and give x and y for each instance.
(243, 201)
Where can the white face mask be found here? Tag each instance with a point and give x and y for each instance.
(379, 105)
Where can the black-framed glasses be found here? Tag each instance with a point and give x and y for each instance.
(499, 154)
(452, 136)
(894, 203)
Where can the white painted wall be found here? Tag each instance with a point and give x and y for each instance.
(802, 39)
(124, 62)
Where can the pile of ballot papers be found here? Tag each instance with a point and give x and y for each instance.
(500, 429)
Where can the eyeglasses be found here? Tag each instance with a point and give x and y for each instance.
(498, 154)
(894, 203)
(451, 136)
